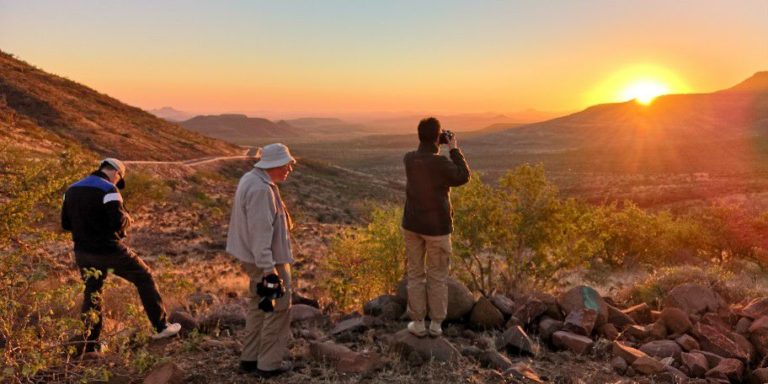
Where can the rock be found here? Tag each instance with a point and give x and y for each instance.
(688, 343)
(494, 360)
(729, 369)
(209, 344)
(523, 372)
(187, 321)
(619, 365)
(230, 317)
(647, 365)
(713, 320)
(460, 299)
(693, 299)
(548, 326)
(584, 297)
(640, 313)
(166, 373)
(581, 321)
(758, 335)
(303, 312)
(673, 375)
(388, 307)
(618, 318)
(296, 298)
(200, 299)
(756, 308)
(553, 308)
(742, 326)
(662, 348)
(675, 320)
(745, 345)
(657, 330)
(695, 363)
(485, 315)
(471, 351)
(439, 349)
(713, 359)
(344, 359)
(517, 341)
(530, 310)
(626, 352)
(353, 325)
(504, 304)
(609, 331)
(637, 332)
(713, 341)
(577, 344)
(759, 376)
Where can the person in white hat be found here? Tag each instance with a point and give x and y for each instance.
(259, 238)
(93, 211)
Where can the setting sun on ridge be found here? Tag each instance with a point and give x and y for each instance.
(642, 82)
(645, 91)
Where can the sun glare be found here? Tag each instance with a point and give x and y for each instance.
(644, 91)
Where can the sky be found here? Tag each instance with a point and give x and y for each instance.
(310, 57)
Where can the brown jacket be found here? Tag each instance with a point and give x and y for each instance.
(429, 178)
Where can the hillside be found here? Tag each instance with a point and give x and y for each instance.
(238, 128)
(43, 112)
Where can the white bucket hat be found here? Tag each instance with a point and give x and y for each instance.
(274, 155)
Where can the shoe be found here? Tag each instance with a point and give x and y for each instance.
(417, 328)
(248, 366)
(169, 331)
(434, 329)
(285, 366)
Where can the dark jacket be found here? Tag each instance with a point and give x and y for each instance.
(429, 178)
(93, 211)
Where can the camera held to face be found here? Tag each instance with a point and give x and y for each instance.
(445, 137)
(269, 289)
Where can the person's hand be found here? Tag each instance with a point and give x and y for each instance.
(268, 272)
(452, 143)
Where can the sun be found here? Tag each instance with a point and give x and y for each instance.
(644, 91)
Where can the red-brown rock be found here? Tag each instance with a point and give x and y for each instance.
(626, 352)
(693, 299)
(759, 376)
(581, 321)
(485, 315)
(548, 326)
(404, 343)
(688, 343)
(584, 297)
(758, 335)
(530, 310)
(662, 348)
(730, 369)
(712, 340)
(756, 308)
(657, 330)
(505, 305)
(647, 365)
(618, 318)
(344, 359)
(640, 313)
(609, 331)
(675, 320)
(577, 344)
(517, 341)
(637, 332)
(166, 373)
(695, 363)
(742, 326)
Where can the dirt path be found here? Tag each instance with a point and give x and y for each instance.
(194, 162)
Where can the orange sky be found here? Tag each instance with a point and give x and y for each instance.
(337, 57)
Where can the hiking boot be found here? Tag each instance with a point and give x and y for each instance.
(434, 329)
(285, 366)
(417, 328)
(169, 331)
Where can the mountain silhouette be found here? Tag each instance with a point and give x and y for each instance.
(236, 127)
(44, 112)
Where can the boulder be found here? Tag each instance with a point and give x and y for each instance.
(388, 307)
(687, 342)
(201, 299)
(460, 299)
(713, 359)
(297, 298)
(577, 344)
(728, 369)
(504, 304)
(637, 332)
(344, 359)
(187, 321)
(231, 316)
(581, 297)
(657, 330)
(745, 345)
(742, 326)
(640, 313)
(609, 331)
(166, 373)
(647, 365)
(626, 352)
(675, 320)
(713, 320)
(427, 348)
(758, 335)
(712, 340)
(618, 318)
(695, 363)
(485, 315)
(517, 341)
(756, 308)
(581, 321)
(494, 360)
(759, 376)
(303, 312)
(619, 365)
(530, 310)
(354, 325)
(548, 326)
(694, 299)
(672, 375)
(662, 348)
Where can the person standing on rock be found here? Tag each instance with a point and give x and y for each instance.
(259, 238)
(93, 211)
(427, 224)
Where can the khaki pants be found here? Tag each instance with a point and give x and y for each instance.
(427, 287)
(267, 334)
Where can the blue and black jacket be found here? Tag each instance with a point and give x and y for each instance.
(93, 211)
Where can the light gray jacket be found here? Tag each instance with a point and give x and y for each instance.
(258, 228)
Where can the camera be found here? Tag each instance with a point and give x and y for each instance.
(269, 289)
(445, 137)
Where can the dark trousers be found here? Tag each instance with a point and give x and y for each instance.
(123, 262)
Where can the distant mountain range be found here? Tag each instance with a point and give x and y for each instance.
(171, 114)
(45, 113)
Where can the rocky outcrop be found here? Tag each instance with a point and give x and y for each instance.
(485, 315)
(460, 299)
(584, 297)
(426, 348)
(343, 359)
